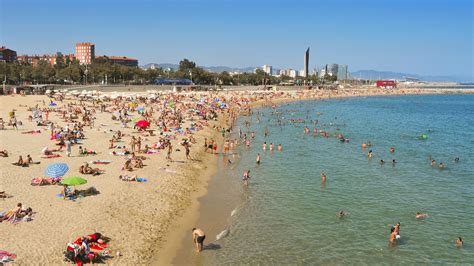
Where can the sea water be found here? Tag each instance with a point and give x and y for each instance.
(288, 216)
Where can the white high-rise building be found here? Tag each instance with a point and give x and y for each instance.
(267, 69)
(292, 73)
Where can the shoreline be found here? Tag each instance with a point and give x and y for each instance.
(182, 252)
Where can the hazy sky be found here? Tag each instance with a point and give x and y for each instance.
(428, 37)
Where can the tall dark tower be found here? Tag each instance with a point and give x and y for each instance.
(306, 63)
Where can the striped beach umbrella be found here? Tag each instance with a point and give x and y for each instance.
(56, 170)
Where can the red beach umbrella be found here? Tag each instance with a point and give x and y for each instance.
(142, 124)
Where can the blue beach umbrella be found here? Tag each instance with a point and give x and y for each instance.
(56, 170)
(52, 104)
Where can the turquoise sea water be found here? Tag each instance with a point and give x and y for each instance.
(286, 215)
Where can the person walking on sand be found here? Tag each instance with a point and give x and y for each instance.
(68, 147)
(187, 150)
(170, 151)
(198, 238)
(132, 143)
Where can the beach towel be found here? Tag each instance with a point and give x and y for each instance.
(100, 162)
(117, 153)
(98, 246)
(141, 179)
(70, 197)
(164, 169)
(22, 165)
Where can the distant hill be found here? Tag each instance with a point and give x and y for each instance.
(374, 74)
(210, 68)
(164, 66)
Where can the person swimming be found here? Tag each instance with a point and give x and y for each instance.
(441, 166)
(342, 214)
(459, 242)
(369, 154)
(420, 215)
(382, 162)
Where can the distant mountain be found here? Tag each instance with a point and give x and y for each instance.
(164, 66)
(229, 69)
(211, 68)
(374, 74)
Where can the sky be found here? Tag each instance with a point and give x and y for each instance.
(426, 37)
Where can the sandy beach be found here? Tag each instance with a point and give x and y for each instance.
(146, 221)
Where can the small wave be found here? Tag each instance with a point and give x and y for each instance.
(223, 234)
(234, 211)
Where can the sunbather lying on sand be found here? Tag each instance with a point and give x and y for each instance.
(31, 132)
(85, 151)
(4, 195)
(128, 178)
(4, 153)
(87, 170)
(17, 214)
(80, 251)
(44, 181)
(46, 151)
(132, 178)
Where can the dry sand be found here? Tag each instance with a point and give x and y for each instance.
(134, 215)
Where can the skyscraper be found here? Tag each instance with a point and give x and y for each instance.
(267, 69)
(342, 72)
(306, 63)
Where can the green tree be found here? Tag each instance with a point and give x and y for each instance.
(59, 61)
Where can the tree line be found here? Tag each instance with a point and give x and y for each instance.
(103, 71)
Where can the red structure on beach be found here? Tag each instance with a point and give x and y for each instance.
(387, 84)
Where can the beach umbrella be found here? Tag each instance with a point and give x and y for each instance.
(52, 104)
(141, 109)
(143, 123)
(56, 170)
(73, 181)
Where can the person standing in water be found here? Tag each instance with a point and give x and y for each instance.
(246, 177)
(198, 238)
(258, 159)
(459, 242)
(323, 178)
